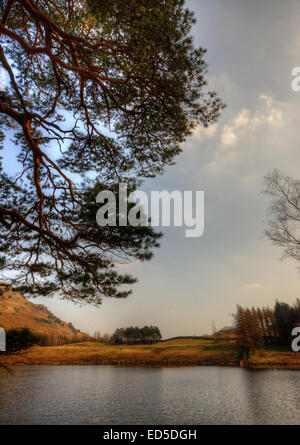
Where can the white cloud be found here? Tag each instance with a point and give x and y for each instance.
(253, 286)
(201, 133)
(228, 136)
(244, 125)
(127, 265)
(245, 121)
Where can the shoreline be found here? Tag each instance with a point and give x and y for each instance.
(256, 366)
(131, 364)
(151, 364)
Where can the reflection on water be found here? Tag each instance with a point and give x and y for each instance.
(112, 395)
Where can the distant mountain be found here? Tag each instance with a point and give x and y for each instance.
(226, 332)
(18, 312)
(226, 328)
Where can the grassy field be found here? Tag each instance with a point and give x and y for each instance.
(274, 357)
(179, 352)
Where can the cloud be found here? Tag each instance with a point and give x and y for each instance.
(267, 113)
(231, 132)
(201, 133)
(252, 286)
(244, 125)
(125, 265)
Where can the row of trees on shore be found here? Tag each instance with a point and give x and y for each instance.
(54, 339)
(135, 335)
(256, 327)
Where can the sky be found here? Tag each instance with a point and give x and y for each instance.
(192, 282)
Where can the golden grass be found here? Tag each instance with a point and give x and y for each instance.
(178, 352)
(277, 358)
(174, 352)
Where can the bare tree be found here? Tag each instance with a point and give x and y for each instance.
(284, 213)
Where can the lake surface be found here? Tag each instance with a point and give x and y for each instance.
(113, 395)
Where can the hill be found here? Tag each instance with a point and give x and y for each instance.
(16, 312)
(226, 333)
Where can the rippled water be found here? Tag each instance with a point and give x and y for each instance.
(112, 395)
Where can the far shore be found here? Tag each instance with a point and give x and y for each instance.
(176, 352)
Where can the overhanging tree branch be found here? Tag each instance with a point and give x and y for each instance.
(98, 93)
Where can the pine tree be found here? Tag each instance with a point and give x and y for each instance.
(98, 93)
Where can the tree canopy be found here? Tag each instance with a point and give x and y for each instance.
(96, 93)
(18, 340)
(256, 327)
(147, 334)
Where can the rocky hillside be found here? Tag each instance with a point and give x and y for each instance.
(16, 312)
